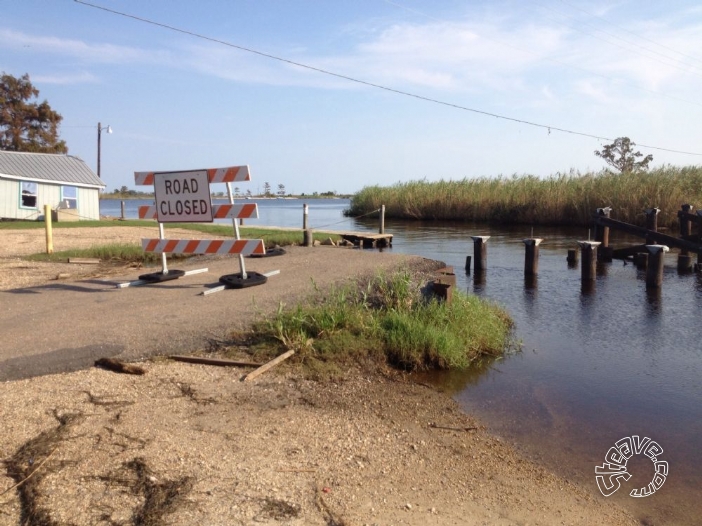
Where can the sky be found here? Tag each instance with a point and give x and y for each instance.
(341, 95)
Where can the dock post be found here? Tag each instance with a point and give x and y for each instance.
(480, 252)
(602, 235)
(305, 215)
(588, 250)
(381, 230)
(654, 273)
(468, 258)
(572, 257)
(531, 256)
(684, 258)
(651, 221)
(122, 207)
(641, 260)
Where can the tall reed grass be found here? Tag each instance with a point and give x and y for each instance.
(562, 199)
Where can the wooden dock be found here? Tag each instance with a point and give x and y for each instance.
(366, 239)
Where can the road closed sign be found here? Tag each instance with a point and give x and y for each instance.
(183, 197)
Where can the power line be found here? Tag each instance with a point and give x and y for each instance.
(367, 83)
(550, 59)
(632, 33)
(630, 50)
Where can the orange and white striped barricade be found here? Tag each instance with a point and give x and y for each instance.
(185, 196)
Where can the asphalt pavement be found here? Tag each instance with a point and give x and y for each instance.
(66, 326)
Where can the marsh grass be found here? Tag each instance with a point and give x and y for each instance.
(562, 199)
(390, 318)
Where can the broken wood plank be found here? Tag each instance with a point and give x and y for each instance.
(214, 361)
(84, 261)
(269, 365)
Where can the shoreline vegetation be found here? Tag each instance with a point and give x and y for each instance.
(388, 319)
(563, 199)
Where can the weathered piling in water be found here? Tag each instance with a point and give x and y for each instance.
(480, 252)
(654, 273)
(588, 251)
(381, 228)
(468, 258)
(651, 222)
(122, 216)
(685, 262)
(572, 257)
(602, 236)
(531, 256)
(641, 260)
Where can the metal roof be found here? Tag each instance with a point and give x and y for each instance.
(48, 167)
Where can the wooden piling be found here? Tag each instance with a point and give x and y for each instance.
(381, 228)
(651, 221)
(531, 256)
(480, 252)
(122, 216)
(654, 273)
(305, 215)
(443, 291)
(685, 262)
(468, 258)
(572, 257)
(641, 260)
(601, 231)
(588, 252)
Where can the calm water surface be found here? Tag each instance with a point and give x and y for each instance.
(594, 367)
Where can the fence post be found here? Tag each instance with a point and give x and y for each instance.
(49, 230)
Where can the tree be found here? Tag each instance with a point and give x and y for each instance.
(26, 125)
(267, 189)
(622, 156)
(281, 190)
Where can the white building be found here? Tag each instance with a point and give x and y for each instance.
(28, 181)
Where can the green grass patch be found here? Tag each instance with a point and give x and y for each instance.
(389, 318)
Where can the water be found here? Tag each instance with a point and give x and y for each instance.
(594, 367)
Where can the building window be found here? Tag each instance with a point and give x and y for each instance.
(69, 197)
(28, 198)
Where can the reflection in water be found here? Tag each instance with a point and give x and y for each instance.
(597, 363)
(587, 287)
(479, 279)
(531, 282)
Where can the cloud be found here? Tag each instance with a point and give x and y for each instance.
(86, 52)
(78, 78)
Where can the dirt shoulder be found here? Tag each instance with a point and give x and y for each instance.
(193, 444)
